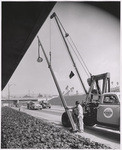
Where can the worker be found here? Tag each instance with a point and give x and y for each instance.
(80, 123)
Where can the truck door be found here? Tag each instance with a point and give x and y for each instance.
(108, 111)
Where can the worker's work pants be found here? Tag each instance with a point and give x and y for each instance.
(80, 123)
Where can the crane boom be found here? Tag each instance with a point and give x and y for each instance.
(55, 16)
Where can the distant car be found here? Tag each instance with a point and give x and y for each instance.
(34, 105)
(45, 104)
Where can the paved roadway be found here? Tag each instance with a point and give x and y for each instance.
(106, 136)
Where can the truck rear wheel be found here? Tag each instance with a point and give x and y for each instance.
(65, 120)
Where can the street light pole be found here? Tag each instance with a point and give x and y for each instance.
(58, 88)
(9, 91)
(9, 85)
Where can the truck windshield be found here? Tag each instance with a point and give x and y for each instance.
(111, 99)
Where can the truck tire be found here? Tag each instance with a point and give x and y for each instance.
(65, 120)
(89, 121)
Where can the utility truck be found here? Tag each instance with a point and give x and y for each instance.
(100, 106)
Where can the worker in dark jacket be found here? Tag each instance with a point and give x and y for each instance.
(80, 117)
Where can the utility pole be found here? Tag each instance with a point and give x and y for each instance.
(58, 88)
(9, 92)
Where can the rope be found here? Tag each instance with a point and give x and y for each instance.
(38, 49)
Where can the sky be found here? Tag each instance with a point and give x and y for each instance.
(96, 35)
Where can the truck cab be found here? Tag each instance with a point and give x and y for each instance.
(108, 110)
(105, 111)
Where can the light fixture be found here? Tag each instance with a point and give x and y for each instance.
(40, 59)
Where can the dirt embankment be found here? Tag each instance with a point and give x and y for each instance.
(70, 100)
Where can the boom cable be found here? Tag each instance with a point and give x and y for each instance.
(82, 63)
(78, 58)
